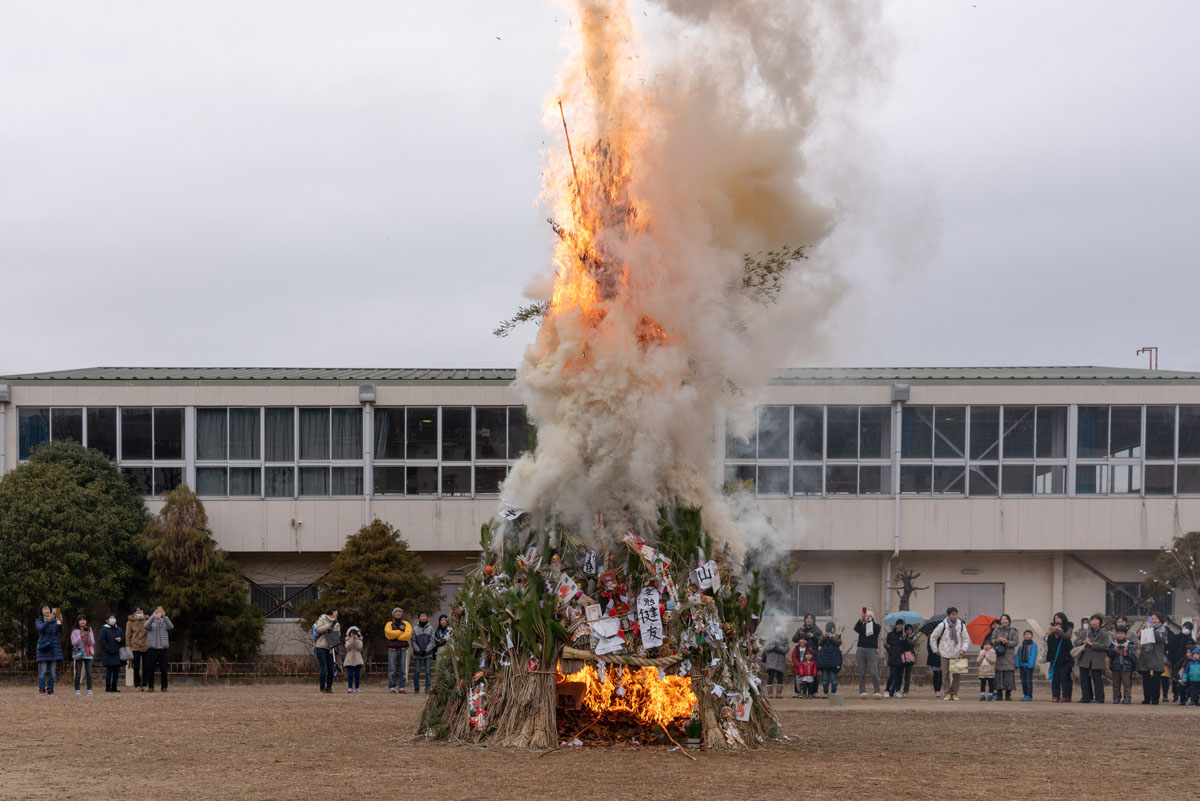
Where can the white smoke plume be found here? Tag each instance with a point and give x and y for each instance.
(687, 155)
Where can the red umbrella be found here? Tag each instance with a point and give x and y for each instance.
(980, 627)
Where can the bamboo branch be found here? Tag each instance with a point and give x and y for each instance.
(682, 750)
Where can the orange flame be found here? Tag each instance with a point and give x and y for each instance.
(647, 699)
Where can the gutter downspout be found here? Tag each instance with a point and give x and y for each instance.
(3, 441)
(900, 393)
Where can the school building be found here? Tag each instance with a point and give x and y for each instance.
(1020, 489)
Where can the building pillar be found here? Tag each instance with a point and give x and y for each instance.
(1057, 591)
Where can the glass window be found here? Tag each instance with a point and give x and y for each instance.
(421, 481)
(389, 433)
(66, 424)
(916, 434)
(1091, 479)
(456, 480)
(1125, 439)
(1092, 438)
(985, 434)
(211, 435)
(313, 480)
(1160, 479)
(841, 479)
(1050, 479)
(388, 480)
(314, 436)
(1052, 432)
(142, 479)
(1189, 432)
(1126, 479)
(875, 432)
(739, 477)
(949, 479)
(1189, 479)
(489, 478)
(346, 481)
(1017, 479)
(984, 479)
(245, 481)
(347, 433)
(210, 481)
(520, 433)
(915, 479)
(136, 431)
(773, 479)
(280, 602)
(280, 481)
(740, 447)
(102, 430)
(34, 430)
(1018, 432)
(168, 433)
(814, 599)
(1133, 598)
(243, 434)
(808, 441)
(842, 426)
(950, 432)
(1160, 434)
(491, 433)
(421, 427)
(874, 480)
(774, 423)
(456, 434)
(280, 435)
(806, 480)
(167, 479)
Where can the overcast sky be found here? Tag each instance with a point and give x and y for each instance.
(300, 183)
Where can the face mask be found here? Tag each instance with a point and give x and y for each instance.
(140, 615)
(112, 621)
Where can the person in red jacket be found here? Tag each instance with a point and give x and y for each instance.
(807, 673)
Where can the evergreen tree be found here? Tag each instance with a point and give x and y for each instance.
(198, 584)
(372, 574)
(70, 526)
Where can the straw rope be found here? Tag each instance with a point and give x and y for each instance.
(621, 659)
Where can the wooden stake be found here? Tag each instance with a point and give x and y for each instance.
(568, 742)
(570, 153)
(682, 750)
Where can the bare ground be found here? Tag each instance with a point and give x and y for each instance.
(285, 742)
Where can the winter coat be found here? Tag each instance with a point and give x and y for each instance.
(422, 639)
(932, 658)
(943, 641)
(829, 654)
(354, 657)
(1011, 639)
(798, 656)
(810, 633)
(1027, 653)
(156, 632)
(1122, 656)
(1093, 655)
(83, 644)
(323, 626)
(1178, 647)
(1058, 647)
(49, 649)
(441, 637)
(987, 664)
(1190, 672)
(867, 642)
(397, 633)
(111, 640)
(135, 633)
(807, 668)
(1152, 656)
(775, 655)
(897, 645)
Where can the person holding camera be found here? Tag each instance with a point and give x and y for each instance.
(866, 655)
(111, 640)
(157, 642)
(328, 635)
(49, 650)
(1005, 640)
(83, 651)
(1092, 659)
(1151, 657)
(1058, 654)
(135, 639)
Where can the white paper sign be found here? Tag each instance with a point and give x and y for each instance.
(511, 513)
(566, 589)
(649, 622)
(1147, 636)
(718, 690)
(609, 645)
(593, 612)
(708, 577)
(606, 627)
(589, 563)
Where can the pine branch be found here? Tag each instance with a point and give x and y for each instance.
(533, 311)
(763, 273)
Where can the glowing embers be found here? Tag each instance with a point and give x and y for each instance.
(636, 695)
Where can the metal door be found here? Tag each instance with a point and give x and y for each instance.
(971, 598)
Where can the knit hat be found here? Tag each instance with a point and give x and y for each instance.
(397, 609)
(354, 630)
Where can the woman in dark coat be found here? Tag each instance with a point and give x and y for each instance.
(1058, 654)
(1005, 640)
(897, 645)
(112, 637)
(1151, 658)
(934, 660)
(49, 648)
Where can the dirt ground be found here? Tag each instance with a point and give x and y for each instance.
(286, 742)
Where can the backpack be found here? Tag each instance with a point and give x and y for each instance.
(315, 636)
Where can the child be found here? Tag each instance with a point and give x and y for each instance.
(797, 663)
(354, 659)
(808, 674)
(1189, 677)
(1026, 662)
(1122, 661)
(83, 651)
(987, 672)
(829, 659)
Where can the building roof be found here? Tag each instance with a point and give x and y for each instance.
(789, 376)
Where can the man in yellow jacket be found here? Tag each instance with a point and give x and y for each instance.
(398, 632)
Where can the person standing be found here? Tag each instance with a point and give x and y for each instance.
(1122, 661)
(775, 661)
(987, 672)
(1005, 641)
(934, 661)
(353, 661)
(829, 659)
(1027, 653)
(809, 632)
(328, 632)
(423, 649)
(898, 647)
(950, 640)
(1058, 654)
(111, 640)
(1094, 640)
(397, 633)
(1151, 657)
(1179, 646)
(157, 642)
(83, 651)
(49, 650)
(1189, 677)
(135, 640)
(866, 655)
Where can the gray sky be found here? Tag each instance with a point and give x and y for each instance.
(310, 184)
